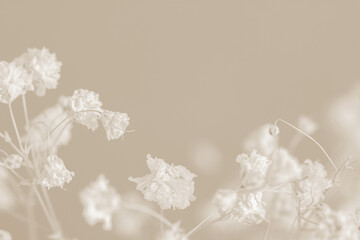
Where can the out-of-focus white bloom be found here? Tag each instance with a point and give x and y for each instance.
(13, 161)
(274, 130)
(5, 235)
(168, 185)
(336, 225)
(46, 121)
(114, 123)
(7, 199)
(307, 125)
(100, 202)
(262, 141)
(86, 108)
(253, 169)
(313, 183)
(175, 233)
(284, 167)
(54, 173)
(14, 81)
(43, 67)
(247, 208)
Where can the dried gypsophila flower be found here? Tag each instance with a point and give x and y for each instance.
(5, 235)
(54, 173)
(13, 161)
(43, 67)
(243, 207)
(85, 107)
(310, 188)
(174, 233)
(253, 169)
(114, 123)
(14, 81)
(100, 202)
(168, 185)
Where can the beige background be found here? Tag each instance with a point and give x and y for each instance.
(187, 72)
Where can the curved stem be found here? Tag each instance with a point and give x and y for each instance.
(141, 208)
(309, 137)
(25, 111)
(15, 126)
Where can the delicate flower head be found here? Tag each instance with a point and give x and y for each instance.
(313, 183)
(114, 123)
(43, 67)
(5, 235)
(47, 120)
(86, 108)
(307, 125)
(274, 130)
(100, 202)
(14, 81)
(253, 169)
(175, 233)
(13, 161)
(247, 208)
(54, 173)
(168, 185)
(262, 140)
(336, 225)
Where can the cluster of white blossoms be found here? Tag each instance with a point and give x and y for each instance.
(100, 202)
(240, 206)
(5, 235)
(13, 161)
(36, 69)
(167, 185)
(54, 173)
(86, 109)
(253, 169)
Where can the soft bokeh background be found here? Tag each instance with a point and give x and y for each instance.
(195, 76)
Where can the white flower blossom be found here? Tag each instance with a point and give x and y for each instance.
(313, 183)
(253, 169)
(262, 140)
(14, 81)
(168, 185)
(247, 208)
(175, 233)
(100, 202)
(13, 161)
(43, 68)
(5, 235)
(54, 173)
(46, 121)
(86, 108)
(336, 225)
(114, 123)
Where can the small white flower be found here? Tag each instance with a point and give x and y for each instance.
(307, 125)
(313, 183)
(14, 81)
(253, 169)
(274, 130)
(168, 185)
(54, 173)
(175, 233)
(261, 140)
(247, 208)
(114, 123)
(100, 202)
(13, 161)
(5, 235)
(43, 67)
(86, 108)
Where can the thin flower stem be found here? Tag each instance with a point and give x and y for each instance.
(59, 124)
(268, 229)
(12, 145)
(161, 223)
(141, 208)
(199, 225)
(51, 208)
(5, 153)
(25, 111)
(311, 138)
(15, 126)
(30, 215)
